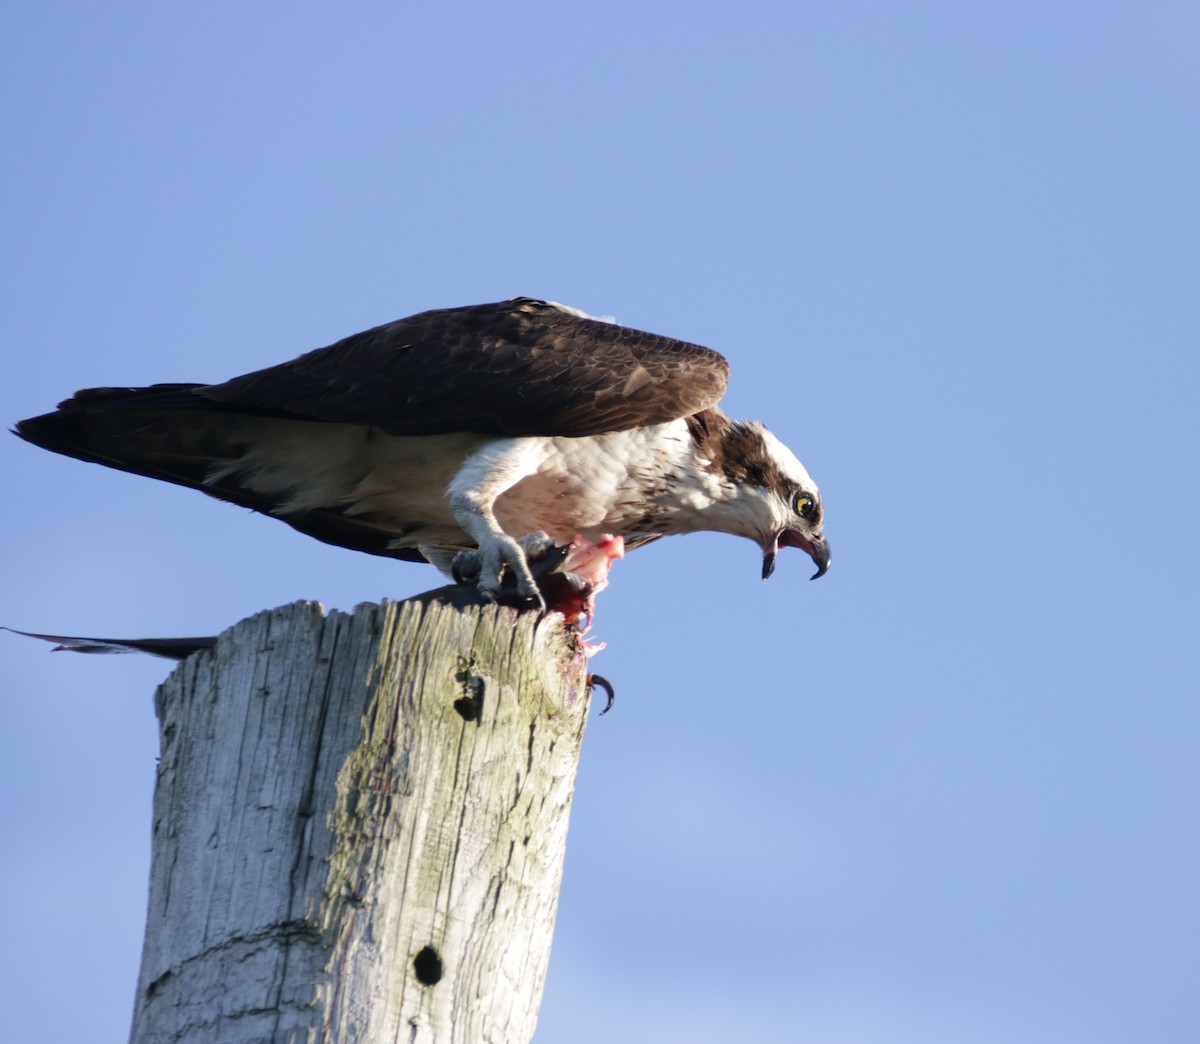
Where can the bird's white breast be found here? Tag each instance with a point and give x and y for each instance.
(623, 482)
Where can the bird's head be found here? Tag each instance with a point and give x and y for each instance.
(790, 508)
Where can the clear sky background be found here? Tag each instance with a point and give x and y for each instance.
(947, 794)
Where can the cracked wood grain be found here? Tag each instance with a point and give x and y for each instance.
(359, 827)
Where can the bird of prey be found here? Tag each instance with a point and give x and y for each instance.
(491, 427)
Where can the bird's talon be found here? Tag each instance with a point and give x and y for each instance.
(537, 545)
(595, 681)
(465, 567)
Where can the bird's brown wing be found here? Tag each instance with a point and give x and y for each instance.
(519, 367)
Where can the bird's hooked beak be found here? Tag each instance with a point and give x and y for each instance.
(818, 551)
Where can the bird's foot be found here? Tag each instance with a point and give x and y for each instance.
(565, 578)
(484, 568)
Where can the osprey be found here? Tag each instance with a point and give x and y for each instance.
(491, 427)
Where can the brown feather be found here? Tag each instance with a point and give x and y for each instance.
(519, 367)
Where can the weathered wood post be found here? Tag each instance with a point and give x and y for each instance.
(359, 827)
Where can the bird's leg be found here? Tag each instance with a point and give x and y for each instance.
(483, 477)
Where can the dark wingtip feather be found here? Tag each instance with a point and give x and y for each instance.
(58, 432)
(171, 648)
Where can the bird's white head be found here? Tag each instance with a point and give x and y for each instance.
(790, 511)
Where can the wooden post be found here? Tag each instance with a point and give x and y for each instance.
(359, 827)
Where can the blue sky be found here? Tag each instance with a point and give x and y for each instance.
(946, 794)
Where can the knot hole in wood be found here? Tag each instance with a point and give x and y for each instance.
(427, 966)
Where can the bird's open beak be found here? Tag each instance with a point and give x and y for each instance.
(817, 550)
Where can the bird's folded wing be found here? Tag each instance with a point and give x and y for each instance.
(519, 367)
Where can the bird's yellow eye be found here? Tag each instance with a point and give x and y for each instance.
(804, 505)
